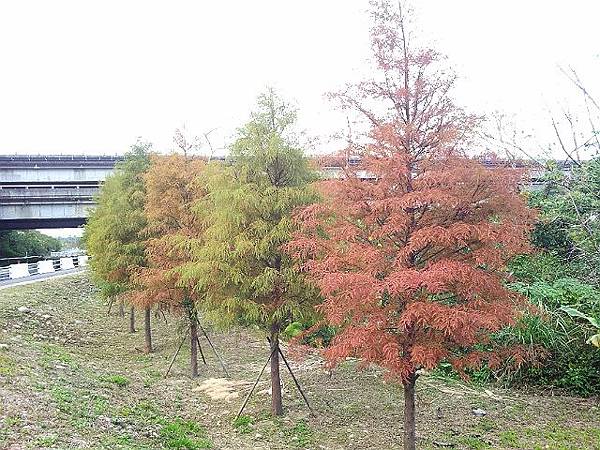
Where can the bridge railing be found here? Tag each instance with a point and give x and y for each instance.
(24, 270)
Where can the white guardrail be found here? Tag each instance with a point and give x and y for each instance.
(23, 270)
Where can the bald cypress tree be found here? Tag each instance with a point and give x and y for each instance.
(113, 234)
(172, 187)
(245, 274)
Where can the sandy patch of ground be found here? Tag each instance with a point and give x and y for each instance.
(221, 389)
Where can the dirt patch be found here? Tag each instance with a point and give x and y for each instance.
(221, 389)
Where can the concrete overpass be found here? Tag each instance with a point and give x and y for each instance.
(57, 191)
(49, 191)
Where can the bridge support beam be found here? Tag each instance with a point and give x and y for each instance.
(33, 224)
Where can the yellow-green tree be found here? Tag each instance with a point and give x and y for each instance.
(113, 233)
(241, 269)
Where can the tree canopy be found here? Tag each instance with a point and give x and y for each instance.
(409, 246)
(248, 218)
(172, 231)
(245, 273)
(113, 231)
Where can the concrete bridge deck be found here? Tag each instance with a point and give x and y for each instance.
(58, 191)
(50, 191)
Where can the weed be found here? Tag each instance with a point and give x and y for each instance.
(46, 441)
(145, 410)
(509, 438)
(63, 398)
(119, 380)
(300, 434)
(100, 405)
(12, 421)
(486, 424)
(152, 378)
(185, 435)
(81, 407)
(552, 436)
(303, 433)
(243, 424)
(7, 365)
(79, 422)
(123, 442)
(54, 352)
(473, 442)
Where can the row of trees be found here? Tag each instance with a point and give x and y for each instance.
(189, 237)
(405, 255)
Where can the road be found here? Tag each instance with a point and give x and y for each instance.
(35, 278)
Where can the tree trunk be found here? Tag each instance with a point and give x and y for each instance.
(276, 404)
(122, 308)
(147, 331)
(409, 414)
(132, 320)
(194, 345)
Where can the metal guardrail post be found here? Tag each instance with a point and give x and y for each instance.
(32, 268)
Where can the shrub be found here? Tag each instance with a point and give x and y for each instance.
(569, 362)
(315, 335)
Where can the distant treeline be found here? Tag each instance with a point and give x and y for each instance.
(15, 244)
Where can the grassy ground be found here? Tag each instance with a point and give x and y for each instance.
(73, 377)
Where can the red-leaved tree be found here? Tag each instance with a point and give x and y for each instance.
(410, 245)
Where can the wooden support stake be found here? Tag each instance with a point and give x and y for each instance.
(111, 300)
(295, 380)
(164, 317)
(213, 349)
(176, 353)
(200, 350)
(254, 386)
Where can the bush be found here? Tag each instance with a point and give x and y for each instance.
(569, 361)
(318, 337)
(119, 380)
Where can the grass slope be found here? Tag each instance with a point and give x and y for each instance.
(72, 377)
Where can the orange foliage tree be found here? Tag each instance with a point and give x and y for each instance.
(409, 248)
(411, 265)
(172, 189)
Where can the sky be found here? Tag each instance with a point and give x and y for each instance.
(83, 77)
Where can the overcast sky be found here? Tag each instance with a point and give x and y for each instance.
(90, 77)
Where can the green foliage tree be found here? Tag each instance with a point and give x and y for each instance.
(14, 244)
(69, 242)
(570, 225)
(246, 275)
(113, 234)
